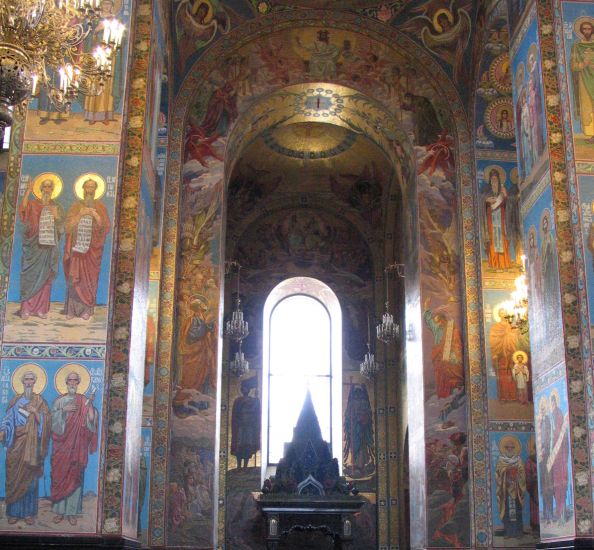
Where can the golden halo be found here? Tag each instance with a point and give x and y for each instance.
(543, 405)
(578, 23)
(555, 394)
(506, 439)
(54, 178)
(520, 353)
(78, 190)
(63, 372)
(194, 10)
(532, 231)
(507, 306)
(40, 383)
(436, 25)
(499, 169)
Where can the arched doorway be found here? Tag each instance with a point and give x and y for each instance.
(196, 241)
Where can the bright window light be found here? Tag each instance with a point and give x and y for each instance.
(6, 138)
(302, 339)
(299, 359)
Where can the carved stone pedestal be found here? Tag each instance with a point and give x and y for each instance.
(332, 517)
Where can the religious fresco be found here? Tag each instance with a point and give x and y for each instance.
(51, 411)
(578, 27)
(544, 298)
(494, 111)
(529, 114)
(586, 189)
(144, 487)
(91, 118)
(508, 361)
(280, 59)
(61, 251)
(197, 23)
(515, 489)
(555, 469)
(501, 227)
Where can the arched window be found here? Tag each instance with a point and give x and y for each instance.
(302, 350)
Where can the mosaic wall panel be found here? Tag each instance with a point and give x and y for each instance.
(201, 180)
(57, 307)
(528, 101)
(544, 298)
(554, 460)
(37, 399)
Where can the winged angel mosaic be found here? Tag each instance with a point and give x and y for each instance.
(445, 31)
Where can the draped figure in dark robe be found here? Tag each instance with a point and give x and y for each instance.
(245, 424)
(43, 221)
(25, 430)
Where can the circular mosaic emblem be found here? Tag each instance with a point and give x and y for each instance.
(500, 74)
(499, 118)
(319, 103)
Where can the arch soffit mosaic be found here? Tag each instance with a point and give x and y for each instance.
(396, 46)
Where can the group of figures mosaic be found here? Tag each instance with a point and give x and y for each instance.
(42, 429)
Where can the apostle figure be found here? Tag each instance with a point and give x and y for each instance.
(87, 226)
(43, 221)
(446, 353)
(550, 276)
(503, 341)
(25, 430)
(359, 444)
(557, 462)
(535, 106)
(74, 437)
(497, 242)
(521, 375)
(245, 424)
(582, 71)
(510, 480)
(543, 431)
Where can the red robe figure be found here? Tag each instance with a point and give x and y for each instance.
(558, 458)
(446, 353)
(43, 221)
(74, 437)
(87, 226)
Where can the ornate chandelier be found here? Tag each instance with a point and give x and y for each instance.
(517, 309)
(388, 329)
(239, 365)
(41, 45)
(369, 367)
(236, 328)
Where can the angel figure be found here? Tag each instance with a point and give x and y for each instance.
(445, 32)
(197, 23)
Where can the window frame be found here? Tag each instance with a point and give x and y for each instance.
(323, 294)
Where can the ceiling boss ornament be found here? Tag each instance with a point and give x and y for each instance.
(41, 45)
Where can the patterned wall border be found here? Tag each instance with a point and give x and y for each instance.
(53, 351)
(34, 147)
(586, 374)
(392, 39)
(119, 337)
(571, 259)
